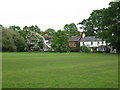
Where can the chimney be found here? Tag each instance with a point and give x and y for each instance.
(81, 35)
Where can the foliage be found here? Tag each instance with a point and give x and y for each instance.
(60, 41)
(94, 49)
(34, 28)
(12, 41)
(105, 24)
(35, 42)
(111, 21)
(73, 49)
(26, 29)
(49, 31)
(71, 29)
(93, 23)
(16, 28)
(85, 49)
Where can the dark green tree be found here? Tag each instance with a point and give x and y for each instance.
(92, 25)
(111, 20)
(104, 23)
(50, 31)
(11, 40)
(60, 41)
(85, 49)
(71, 29)
(16, 28)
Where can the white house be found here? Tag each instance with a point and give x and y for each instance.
(91, 41)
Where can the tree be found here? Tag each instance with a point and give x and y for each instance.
(71, 29)
(50, 31)
(11, 40)
(104, 23)
(35, 42)
(16, 28)
(93, 23)
(60, 41)
(34, 28)
(26, 29)
(111, 21)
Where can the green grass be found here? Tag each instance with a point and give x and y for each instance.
(60, 70)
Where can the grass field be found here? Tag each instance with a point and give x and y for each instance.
(60, 70)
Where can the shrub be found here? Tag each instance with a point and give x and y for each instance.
(94, 49)
(85, 49)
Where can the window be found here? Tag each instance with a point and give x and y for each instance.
(102, 42)
(91, 43)
(98, 43)
(83, 43)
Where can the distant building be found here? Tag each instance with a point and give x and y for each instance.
(92, 41)
(73, 41)
(47, 41)
(76, 42)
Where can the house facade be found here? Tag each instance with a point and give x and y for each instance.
(73, 41)
(93, 42)
(76, 42)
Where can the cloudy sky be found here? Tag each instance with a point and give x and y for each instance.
(47, 13)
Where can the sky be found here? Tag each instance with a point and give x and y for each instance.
(47, 13)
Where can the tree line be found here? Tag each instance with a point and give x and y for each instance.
(103, 23)
(30, 38)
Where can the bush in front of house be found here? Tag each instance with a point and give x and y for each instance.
(94, 49)
(73, 49)
(85, 49)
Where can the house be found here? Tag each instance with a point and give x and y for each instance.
(73, 41)
(47, 41)
(92, 41)
(76, 42)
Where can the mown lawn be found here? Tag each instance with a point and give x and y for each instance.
(60, 70)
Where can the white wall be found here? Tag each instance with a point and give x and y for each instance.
(95, 44)
(48, 44)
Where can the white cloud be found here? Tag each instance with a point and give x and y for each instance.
(47, 13)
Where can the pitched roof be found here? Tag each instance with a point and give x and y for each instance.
(47, 37)
(74, 39)
(90, 39)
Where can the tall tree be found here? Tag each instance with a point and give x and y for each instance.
(60, 42)
(111, 20)
(93, 23)
(71, 29)
(104, 23)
